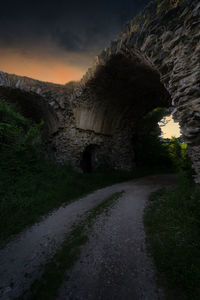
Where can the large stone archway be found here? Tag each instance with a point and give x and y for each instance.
(162, 48)
(114, 101)
(155, 61)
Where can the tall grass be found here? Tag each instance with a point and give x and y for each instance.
(172, 222)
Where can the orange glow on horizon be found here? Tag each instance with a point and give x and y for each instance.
(49, 69)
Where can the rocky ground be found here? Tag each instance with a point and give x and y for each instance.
(113, 264)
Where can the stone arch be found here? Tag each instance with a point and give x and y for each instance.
(159, 47)
(120, 93)
(162, 41)
(32, 106)
(41, 101)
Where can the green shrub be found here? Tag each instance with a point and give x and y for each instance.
(152, 150)
(20, 140)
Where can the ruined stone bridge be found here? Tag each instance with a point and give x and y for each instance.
(154, 62)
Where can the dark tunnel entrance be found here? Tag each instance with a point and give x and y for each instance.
(89, 161)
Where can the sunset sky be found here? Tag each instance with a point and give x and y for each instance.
(171, 129)
(58, 40)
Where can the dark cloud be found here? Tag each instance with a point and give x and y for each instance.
(76, 30)
(76, 26)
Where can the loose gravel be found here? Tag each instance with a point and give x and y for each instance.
(113, 265)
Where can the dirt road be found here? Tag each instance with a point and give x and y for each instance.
(113, 264)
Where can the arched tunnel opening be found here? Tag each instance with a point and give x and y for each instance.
(152, 137)
(33, 107)
(89, 160)
(124, 91)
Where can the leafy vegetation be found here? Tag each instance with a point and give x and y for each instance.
(177, 153)
(55, 271)
(152, 150)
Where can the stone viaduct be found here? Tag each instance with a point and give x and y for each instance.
(154, 62)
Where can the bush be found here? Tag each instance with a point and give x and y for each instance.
(20, 140)
(178, 155)
(152, 150)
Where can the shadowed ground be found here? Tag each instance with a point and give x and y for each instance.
(114, 264)
(115, 260)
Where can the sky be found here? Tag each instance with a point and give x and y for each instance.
(171, 128)
(57, 40)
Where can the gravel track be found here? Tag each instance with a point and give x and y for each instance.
(114, 264)
(114, 256)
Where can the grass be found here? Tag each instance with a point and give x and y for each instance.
(37, 190)
(41, 188)
(172, 222)
(55, 271)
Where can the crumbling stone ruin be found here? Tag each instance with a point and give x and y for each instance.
(154, 62)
